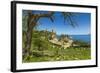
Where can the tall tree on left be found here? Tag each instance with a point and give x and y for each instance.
(32, 21)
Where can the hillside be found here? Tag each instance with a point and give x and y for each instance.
(45, 46)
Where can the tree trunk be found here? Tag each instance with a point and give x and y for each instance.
(28, 40)
(27, 48)
(31, 24)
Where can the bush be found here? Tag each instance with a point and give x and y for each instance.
(81, 43)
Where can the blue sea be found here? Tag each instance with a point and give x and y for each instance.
(85, 38)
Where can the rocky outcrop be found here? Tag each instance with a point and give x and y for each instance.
(63, 41)
(62, 44)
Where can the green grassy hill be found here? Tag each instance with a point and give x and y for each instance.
(43, 50)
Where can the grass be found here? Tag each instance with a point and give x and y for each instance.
(43, 50)
(61, 55)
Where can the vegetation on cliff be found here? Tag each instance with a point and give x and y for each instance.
(44, 50)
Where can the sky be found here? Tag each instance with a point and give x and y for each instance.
(83, 21)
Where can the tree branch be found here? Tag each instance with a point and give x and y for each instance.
(49, 14)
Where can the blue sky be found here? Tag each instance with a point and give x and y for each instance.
(83, 20)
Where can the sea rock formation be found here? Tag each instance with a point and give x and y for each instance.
(64, 41)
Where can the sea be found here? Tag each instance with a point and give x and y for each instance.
(84, 38)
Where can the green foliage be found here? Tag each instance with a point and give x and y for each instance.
(43, 50)
(41, 44)
(61, 54)
(82, 43)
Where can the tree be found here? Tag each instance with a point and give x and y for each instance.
(32, 21)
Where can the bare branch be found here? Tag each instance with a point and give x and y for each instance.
(49, 14)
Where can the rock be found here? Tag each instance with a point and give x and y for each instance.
(62, 43)
(65, 41)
